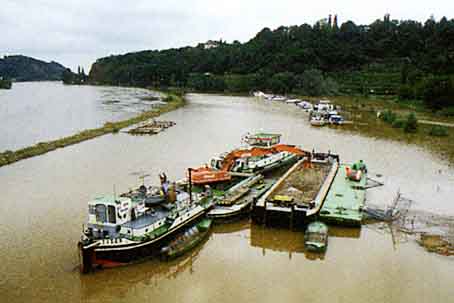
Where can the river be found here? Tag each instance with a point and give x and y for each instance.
(44, 203)
(33, 112)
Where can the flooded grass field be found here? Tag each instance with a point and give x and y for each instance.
(44, 203)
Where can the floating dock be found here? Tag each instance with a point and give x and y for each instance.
(298, 196)
(151, 127)
(345, 200)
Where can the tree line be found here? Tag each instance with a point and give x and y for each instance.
(402, 57)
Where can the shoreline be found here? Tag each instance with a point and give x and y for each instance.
(363, 112)
(8, 157)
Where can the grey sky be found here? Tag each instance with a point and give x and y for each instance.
(78, 32)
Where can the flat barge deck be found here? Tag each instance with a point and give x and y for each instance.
(298, 196)
(345, 200)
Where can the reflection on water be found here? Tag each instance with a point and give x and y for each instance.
(33, 112)
(148, 273)
(44, 203)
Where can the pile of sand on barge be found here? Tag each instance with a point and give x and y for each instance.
(304, 183)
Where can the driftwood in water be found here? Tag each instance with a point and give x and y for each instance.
(432, 231)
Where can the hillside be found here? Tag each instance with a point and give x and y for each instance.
(22, 68)
(385, 57)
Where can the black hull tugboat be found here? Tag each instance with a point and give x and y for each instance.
(121, 230)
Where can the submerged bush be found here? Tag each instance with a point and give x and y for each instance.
(411, 125)
(446, 112)
(438, 131)
(388, 116)
(399, 123)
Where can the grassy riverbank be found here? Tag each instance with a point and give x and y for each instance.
(174, 101)
(363, 112)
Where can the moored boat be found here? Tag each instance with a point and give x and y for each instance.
(336, 119)
(345, 201)
(123, 229)
(264, 153)
(238, 200)
(316, 237)
(299, 194)
(187, 240)
(317, 121)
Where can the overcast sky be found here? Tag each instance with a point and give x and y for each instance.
(77, 32)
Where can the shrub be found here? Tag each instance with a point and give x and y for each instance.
(438, 131)
(388, 116)
(406, 92)
(399, 123)
(411, 125)
(447, 112)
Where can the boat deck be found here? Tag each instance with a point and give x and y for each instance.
(147, 219)
(243, 203)
(345, 200)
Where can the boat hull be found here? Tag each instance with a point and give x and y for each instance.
(188, 245)
(228, 213)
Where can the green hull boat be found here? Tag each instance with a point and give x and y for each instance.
(316, 237)
(187, 241)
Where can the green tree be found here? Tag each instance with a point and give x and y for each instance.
(411, 124)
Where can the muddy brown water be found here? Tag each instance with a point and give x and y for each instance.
(43, 206)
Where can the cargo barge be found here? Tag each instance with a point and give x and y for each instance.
(298, 196)
(345, 201)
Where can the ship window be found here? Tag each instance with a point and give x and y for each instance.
(112, 218)
(101, 213)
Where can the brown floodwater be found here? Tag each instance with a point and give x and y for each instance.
(44, 200)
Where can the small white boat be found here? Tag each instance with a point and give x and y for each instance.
(278, 98)
(259, 94)
(305, 105)
(336, 120)
(293, 101)
(318, 121)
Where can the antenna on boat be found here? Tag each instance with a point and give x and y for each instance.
(190, 184)
(143, 176)
(114, 193)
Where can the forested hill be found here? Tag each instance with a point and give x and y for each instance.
(22, 68)
(379, 58)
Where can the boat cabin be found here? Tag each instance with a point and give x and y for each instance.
(107, 213)
(262, 139)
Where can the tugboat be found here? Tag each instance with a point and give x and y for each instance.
(121, 230)
(316, 237)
